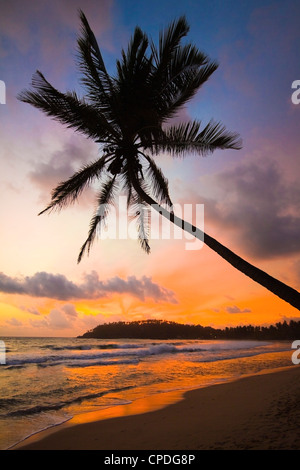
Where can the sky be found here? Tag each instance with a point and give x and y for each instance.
(251, 197)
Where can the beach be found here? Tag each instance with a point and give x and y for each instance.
(260, 411)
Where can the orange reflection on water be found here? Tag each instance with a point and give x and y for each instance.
(172, 379)
(139, 406)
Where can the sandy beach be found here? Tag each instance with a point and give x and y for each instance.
(254, 412)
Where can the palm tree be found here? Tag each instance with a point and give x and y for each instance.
(126, 115)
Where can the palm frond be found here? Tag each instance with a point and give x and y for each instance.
(135, 58)
(183, 87)
(68, 109)
(179, 72)
(127, 187)
(133, 97)
(175, 86)
(187, 138)
(159, 184)
(185, 57)
(169, 40)
(68, 191)
(89, 37)
(138, 210)
(96, 78)
(141, 213)
(105, 198)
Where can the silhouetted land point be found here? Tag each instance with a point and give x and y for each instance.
(161, 329)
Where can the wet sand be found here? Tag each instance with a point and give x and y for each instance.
(256, 412)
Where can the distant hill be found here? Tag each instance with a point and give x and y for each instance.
(161, 329)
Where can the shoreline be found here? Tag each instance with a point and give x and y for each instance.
(257, 411)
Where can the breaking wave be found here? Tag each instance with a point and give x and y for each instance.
(84, 355)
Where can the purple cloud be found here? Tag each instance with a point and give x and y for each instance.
(57, 286)
(260, 207)
(235, 309)
(61, 165)
(22, 22)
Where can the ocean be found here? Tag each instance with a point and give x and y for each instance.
(46, 381)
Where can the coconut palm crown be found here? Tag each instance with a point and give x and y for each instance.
(128, 116)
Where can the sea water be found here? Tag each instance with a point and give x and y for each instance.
(46, 381)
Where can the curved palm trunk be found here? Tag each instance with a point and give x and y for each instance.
(278, 288)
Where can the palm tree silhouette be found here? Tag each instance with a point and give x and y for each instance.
(127, 114)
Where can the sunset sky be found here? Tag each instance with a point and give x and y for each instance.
(251, 197)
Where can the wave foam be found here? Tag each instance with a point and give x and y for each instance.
(109, 353)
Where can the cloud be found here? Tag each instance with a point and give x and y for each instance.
(296, 270)
(62, 318)
(261, 206)
(14, 322)
(70, 310)
(235, 309)
(61, 165)
(53, 24)
(39, 323)
(59, 320)
(57, 286)
(33, 311)
(66, 317)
